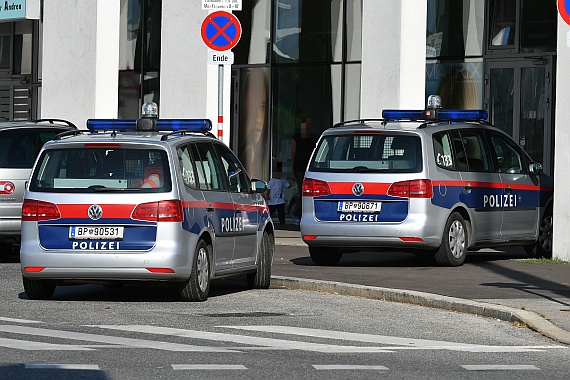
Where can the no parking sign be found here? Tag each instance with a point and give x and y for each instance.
(221, 31)
(564, 10)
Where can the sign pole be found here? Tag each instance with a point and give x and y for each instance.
(220, 102)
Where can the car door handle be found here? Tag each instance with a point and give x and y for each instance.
(508, 190)
(210, 208)
(238, 211)
(468, 187)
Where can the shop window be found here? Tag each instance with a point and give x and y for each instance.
(460, 84)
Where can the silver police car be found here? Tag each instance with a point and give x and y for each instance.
(436, 182)
(137, 201)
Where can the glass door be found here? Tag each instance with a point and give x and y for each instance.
(518, 98)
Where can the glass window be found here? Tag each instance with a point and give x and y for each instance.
(139, 55)
(476, 152)
(460, 84)
(255, 42)
(538, 26)
(455, 28)
(211, 172)
(443, 154)
(353, 30)
(503, 22)
(186, 166)
(86, 170)
(20, 147)
(509, 157)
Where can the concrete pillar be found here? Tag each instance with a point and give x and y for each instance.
(393, 55)
(561, 212)
(80, 60)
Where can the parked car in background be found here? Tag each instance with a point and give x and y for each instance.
(20, 143)
(433, 182)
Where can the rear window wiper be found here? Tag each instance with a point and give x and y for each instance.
(101, 189)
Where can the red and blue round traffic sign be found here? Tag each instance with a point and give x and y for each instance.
(221, 31)
(564, 10)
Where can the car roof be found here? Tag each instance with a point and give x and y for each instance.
(42, 123)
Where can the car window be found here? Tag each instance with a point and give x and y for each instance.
(509, 157)
(93, 169)
(19, 147)
(186, 166)
(211, 171)
(236, 175)
(443, 153)
(365, 152)
(472, 152)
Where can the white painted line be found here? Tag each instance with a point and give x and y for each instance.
(119, 341)
(207, 366)
(500, 367)
(89, 367)
(38, 346)
(16, 320)
(243, 339)
(381, 339)
(335, 367)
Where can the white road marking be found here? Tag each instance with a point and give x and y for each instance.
(119, 341)
(207, 366)
(38, 346)
(382, 339)
(500, 367)
(90, 367)
(16, 320)
(335, 367)
(242, 339)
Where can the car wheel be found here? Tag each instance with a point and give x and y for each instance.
(38, 289)
(261, 279)
(197, 287)
(543, 247)
(325, 256)
(453, 248)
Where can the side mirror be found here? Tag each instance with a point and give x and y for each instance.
(258, 186)
(535, 168)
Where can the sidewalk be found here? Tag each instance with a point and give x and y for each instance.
(544, 308)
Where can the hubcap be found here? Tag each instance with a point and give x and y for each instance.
(202, 269)
(457, 239)
(545, 234)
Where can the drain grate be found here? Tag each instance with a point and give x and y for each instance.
(243, 315)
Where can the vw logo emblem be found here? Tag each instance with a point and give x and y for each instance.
(358, 189)
(95, 212)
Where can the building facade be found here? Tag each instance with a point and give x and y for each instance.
(325, 60)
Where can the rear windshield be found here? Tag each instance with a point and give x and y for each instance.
(81, 170)
(19, 147)
(373, 152)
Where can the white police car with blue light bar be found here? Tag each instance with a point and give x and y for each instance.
(147, 201)
(431, 182)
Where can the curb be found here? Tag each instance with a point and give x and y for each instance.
(504, 313)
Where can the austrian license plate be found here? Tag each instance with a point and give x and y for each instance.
(359, 206)
(98, 232)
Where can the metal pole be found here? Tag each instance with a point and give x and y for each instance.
(220, 102)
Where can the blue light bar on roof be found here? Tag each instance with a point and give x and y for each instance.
(438, 114)
(164, 125)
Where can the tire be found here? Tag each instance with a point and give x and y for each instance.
(261, 279)
(38, 289)
(543, 247)
(325, 256)
(453, 248)
(197, 287)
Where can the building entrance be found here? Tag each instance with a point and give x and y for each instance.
(519, 97)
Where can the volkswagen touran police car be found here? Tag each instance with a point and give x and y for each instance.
(143, 201)
(434, 181)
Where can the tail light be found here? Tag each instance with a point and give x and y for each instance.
(163, 211)
(6, 187)
(315, 188)
(38, 210)
(420, 188)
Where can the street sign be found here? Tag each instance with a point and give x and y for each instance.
(564, 10)
(223, 58)
(229, 5)
(221, 31)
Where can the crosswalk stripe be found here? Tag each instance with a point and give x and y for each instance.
(499, 367)
(243, 339)
(38, 346)
(207, 366)
(335, 367)
(90, 367)
(16, 320)
(382, 339)
(119, 341)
